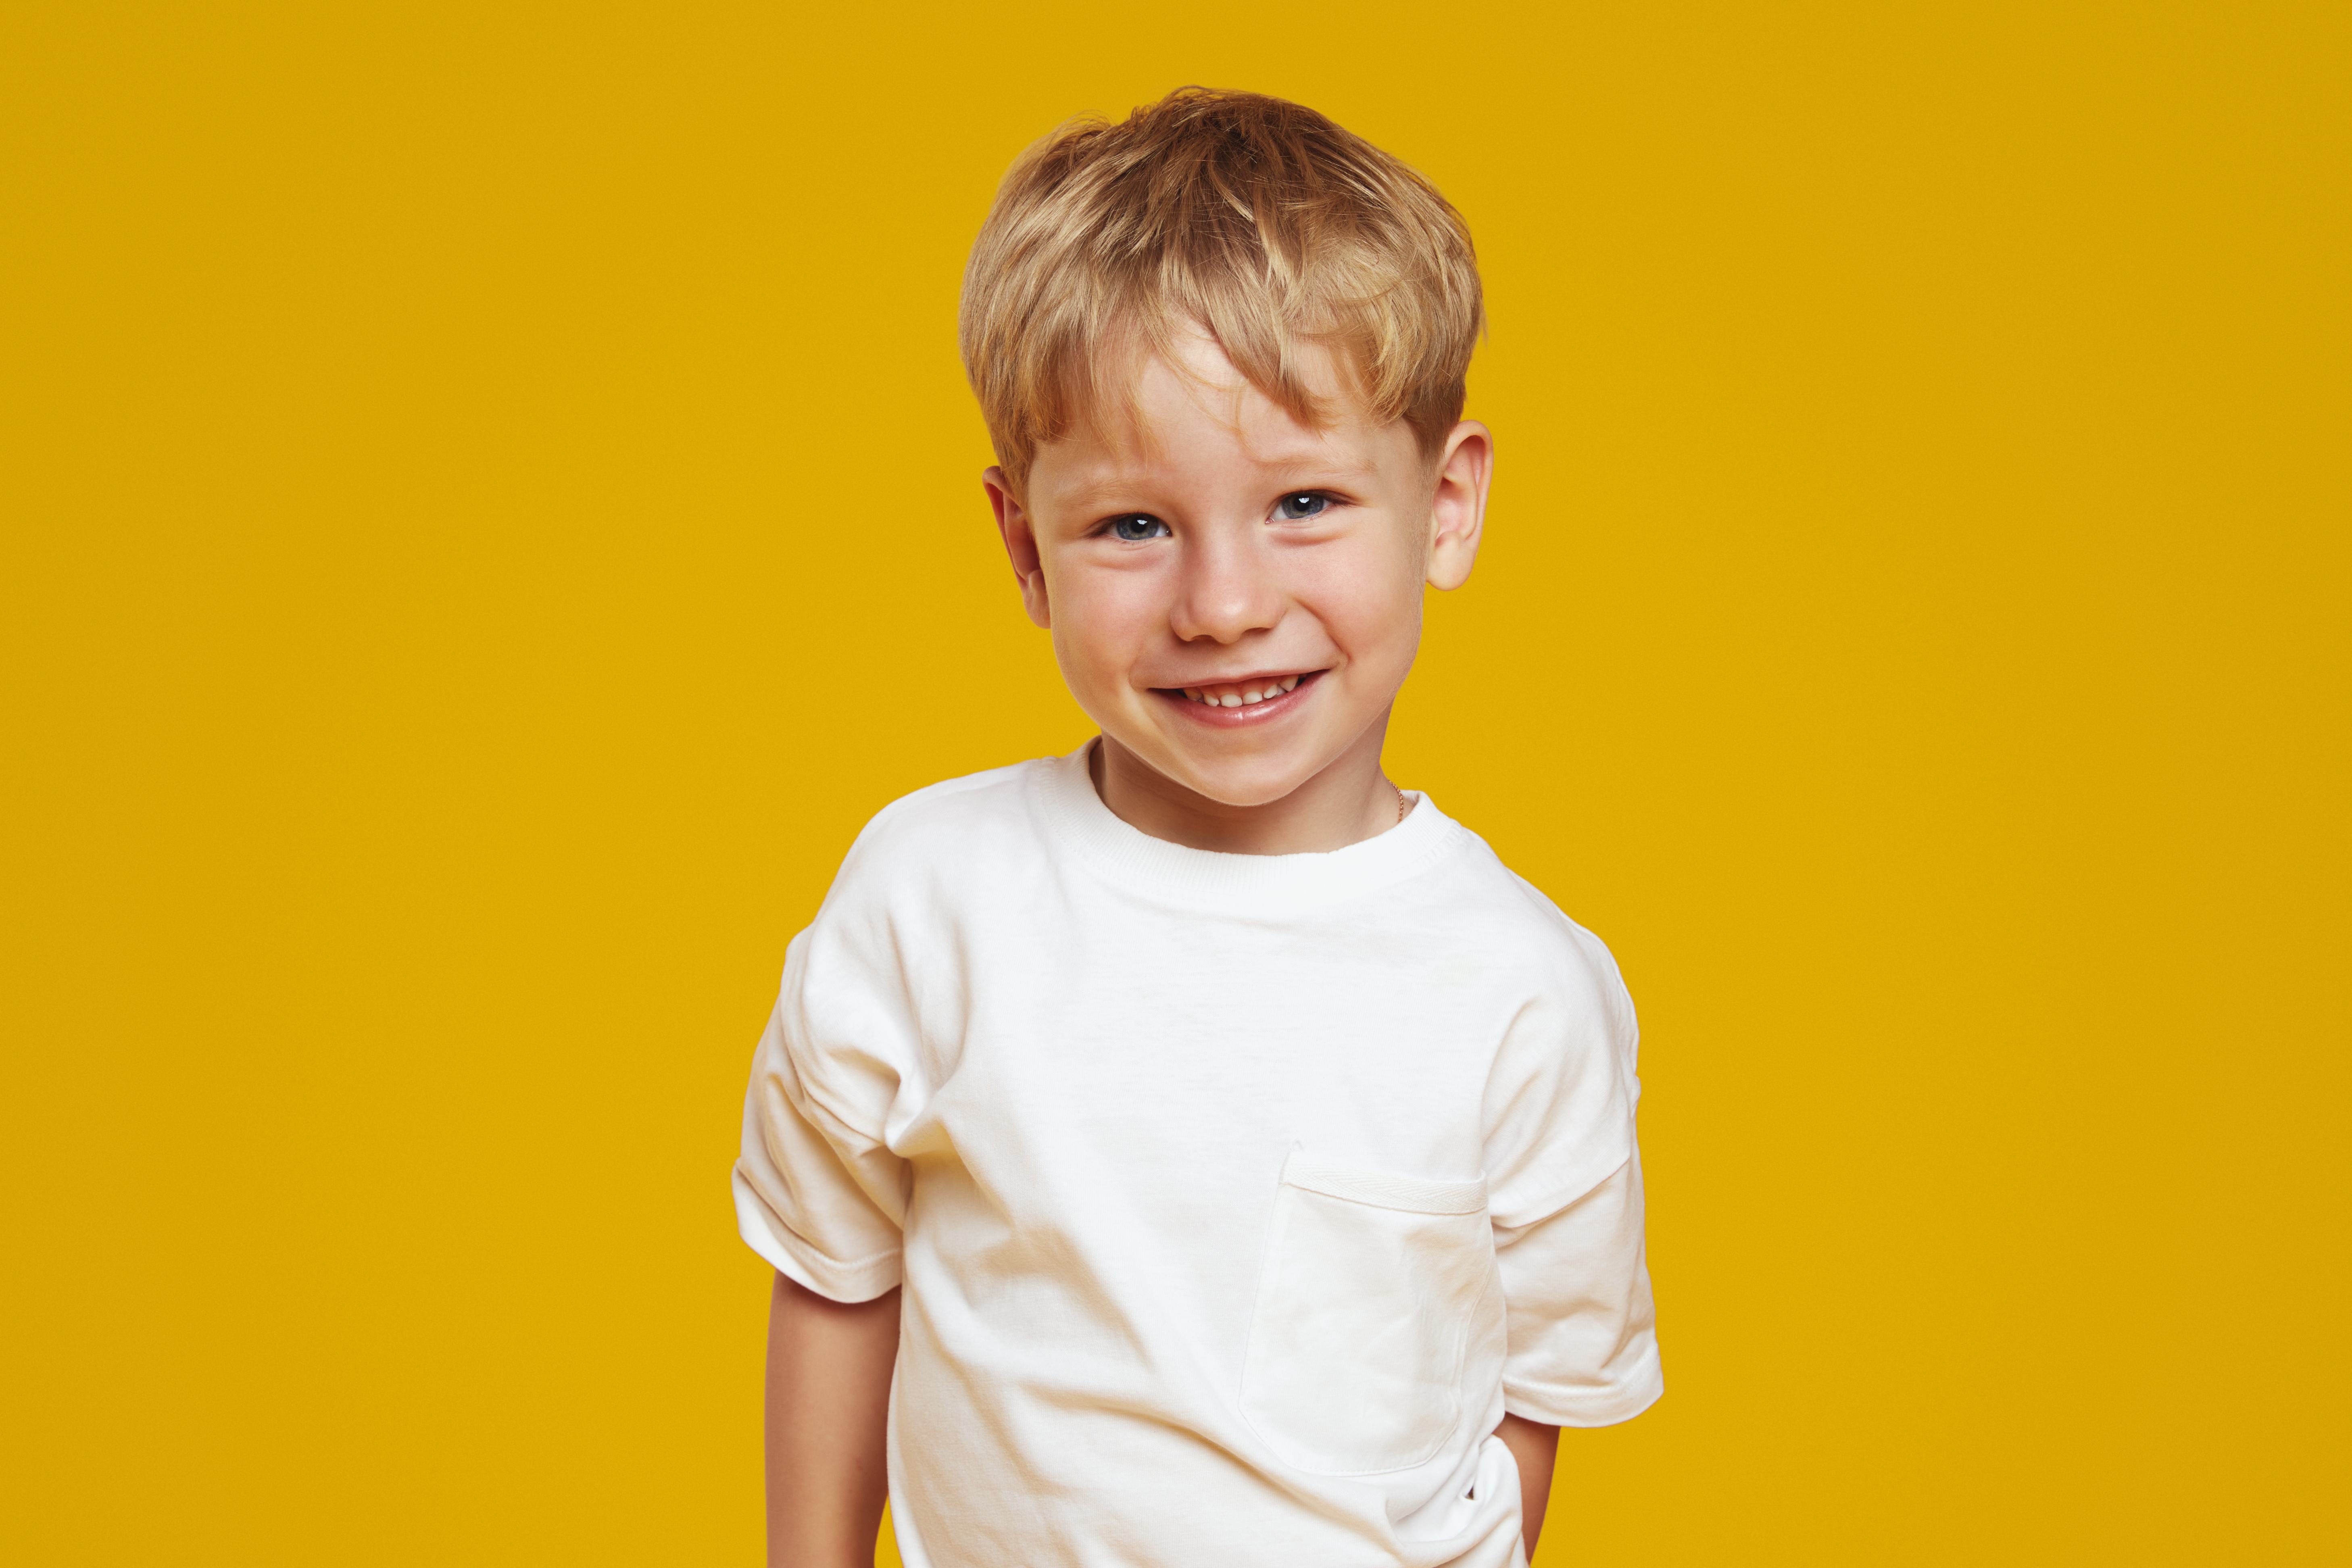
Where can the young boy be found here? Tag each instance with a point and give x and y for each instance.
(1196, 1150)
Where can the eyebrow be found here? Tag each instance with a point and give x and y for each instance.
(1308, 474)
(1337, 473)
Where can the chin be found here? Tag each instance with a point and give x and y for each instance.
(1244, 786)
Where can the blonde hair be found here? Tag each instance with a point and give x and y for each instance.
(1257, 221)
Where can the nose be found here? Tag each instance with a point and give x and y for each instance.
(1228, 589)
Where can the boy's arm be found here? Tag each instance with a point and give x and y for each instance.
(1534, 1445)
(829, 1368)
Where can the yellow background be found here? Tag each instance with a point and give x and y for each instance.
(492, 506)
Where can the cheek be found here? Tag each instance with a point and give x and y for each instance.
(1368, 602)
(1103, 620)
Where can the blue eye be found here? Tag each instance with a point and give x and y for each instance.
(1302, 504)
(1136, 527)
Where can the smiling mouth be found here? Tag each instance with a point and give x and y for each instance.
(1250, 693)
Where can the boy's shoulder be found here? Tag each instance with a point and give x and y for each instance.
(1594, 964)
(1543, 923)
(1516, 925)
(1472, 913)
(958, 799)
(948, 819)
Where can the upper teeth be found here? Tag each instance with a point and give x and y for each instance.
(1232, 694)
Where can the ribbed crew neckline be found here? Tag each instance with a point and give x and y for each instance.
(1212, 880)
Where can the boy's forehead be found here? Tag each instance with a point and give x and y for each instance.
(1203, 413)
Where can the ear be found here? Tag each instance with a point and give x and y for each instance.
(1020, 543)
(1458, 511)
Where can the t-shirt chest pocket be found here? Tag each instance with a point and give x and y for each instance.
(1377, 1290)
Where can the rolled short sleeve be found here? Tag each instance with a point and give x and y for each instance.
(818, 1191)
(1565, 1182)
(1583, 1330)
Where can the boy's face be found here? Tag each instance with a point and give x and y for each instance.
(1235, 597)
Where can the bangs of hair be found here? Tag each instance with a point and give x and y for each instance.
(1252, 219)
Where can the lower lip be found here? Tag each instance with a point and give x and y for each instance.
(1247, 714)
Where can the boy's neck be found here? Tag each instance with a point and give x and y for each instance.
(1347, 802)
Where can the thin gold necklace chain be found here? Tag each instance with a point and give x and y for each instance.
(1400, 803)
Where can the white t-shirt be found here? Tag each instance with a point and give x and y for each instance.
(1235, 1197)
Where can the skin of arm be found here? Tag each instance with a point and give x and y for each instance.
(829, 1367)
(1534, 1445)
